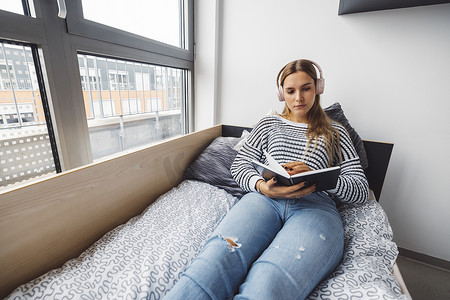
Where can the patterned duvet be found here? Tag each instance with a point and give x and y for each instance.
(143, 258)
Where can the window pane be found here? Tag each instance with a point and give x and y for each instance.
(156, 19)
(25, 150)
(130, 104)
(14, 6)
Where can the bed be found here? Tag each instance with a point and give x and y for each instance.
(126, 228)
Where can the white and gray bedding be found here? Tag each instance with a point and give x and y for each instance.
(365, 271)
(143, 258)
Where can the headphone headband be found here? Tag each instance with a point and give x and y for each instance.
(320, 82)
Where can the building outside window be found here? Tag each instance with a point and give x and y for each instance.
(118, 80)
(25, 150)
(129, 104)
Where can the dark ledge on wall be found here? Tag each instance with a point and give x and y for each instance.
(356, 6)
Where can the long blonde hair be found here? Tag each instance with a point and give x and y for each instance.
(319, 124)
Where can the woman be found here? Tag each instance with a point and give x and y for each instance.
(279, 242)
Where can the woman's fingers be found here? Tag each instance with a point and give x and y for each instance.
(296, 167)
(272, 189)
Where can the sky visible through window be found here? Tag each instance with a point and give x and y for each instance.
(14, 6)
(155, 19)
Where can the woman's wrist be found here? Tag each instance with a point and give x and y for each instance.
(258, 185)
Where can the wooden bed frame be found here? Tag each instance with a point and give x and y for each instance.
(48, 222)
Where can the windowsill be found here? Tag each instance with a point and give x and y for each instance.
(131, 118)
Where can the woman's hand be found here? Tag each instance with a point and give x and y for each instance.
(296, 167)
(273, 190)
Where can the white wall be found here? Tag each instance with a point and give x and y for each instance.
(390, 70)
(206, 74)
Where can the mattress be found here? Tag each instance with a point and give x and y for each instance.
(144, 258)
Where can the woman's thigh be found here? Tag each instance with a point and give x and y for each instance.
(239, 239)
(248, 229)
(307, 248)
(254, 221)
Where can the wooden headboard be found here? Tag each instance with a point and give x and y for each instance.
(378, 155)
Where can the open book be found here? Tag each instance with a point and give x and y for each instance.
(324, 179)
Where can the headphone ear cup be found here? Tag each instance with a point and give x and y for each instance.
(320, 85)
(280, 94)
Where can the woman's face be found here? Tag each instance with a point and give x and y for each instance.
(299, 92)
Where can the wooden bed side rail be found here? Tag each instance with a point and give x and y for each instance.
(46, 223)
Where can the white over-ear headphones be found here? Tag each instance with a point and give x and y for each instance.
(320, 82)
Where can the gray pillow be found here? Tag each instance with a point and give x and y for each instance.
(213, 166)
(336, 113)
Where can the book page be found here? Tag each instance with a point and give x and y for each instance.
(275, 165)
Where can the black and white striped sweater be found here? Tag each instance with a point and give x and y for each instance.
(286, 141)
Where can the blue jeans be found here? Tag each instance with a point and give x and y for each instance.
(266, 249)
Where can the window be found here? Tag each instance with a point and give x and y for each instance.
(9, 81)
(14, 6)
(143, 103)
(118, 80)
(25, 147)
(156, 19)
(162, 27)
(105, 80)
(108, 108)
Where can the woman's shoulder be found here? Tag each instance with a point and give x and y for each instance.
(338, 126)
(272, 118)
(343, 133)
(263, 128)
(269, 120)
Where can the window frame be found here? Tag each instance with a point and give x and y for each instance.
(27, 29)
(58, 48)
(78, 25)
